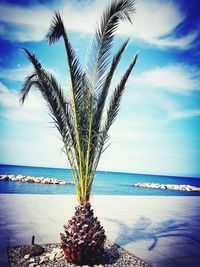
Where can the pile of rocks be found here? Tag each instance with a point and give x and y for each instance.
(31, 179)
(54, 254)
(180, 187)
(113, 256)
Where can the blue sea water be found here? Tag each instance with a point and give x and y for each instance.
(105, 183)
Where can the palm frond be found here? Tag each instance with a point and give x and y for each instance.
(56, 102)
(99, 62)
(76, 81)
(29, 82)
(100, 59)
(104, 92)
(117, 95)
(96, 138)
(56, 29)
(112, 112)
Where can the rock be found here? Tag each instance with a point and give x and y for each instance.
(43, 259)
(52, 256)
(19, 177)
(4, 178)
(26, 257)
(30, 179)
(62, 183)
(59, 255)
(32, 250)
(32, 260)
(189, 188)
(57, 250)
(32, 265)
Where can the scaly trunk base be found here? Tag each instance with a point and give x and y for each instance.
(84, 238)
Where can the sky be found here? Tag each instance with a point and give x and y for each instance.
(158, 127)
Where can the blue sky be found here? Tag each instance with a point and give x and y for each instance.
(158, 128)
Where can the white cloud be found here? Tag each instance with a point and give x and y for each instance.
(182, 42)
(3, 88)
(16, 74)
(33, 109)
(175, 78)
(184, 114)
(153, 20)
(19, 73)
(156, 19)
(24, 21)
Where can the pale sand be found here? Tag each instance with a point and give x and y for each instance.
(163, 231)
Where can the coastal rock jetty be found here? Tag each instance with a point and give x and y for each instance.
(181, 187)
(31, 179)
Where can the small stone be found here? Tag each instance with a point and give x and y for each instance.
(52, 256)
(32, 265)
(59, 255)
(43, 259)
(32, 260)
(57, 250)
(26, 257)
(62, 182)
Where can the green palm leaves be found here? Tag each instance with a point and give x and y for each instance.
(80, 120)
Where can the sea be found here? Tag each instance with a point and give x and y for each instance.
(105, 183)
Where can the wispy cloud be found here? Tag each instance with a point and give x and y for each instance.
(181, 42)
(16, 74)
(175, 78)
(33, 110)
(19, 74)
(153, 20)
(186, 114)
(157, 19)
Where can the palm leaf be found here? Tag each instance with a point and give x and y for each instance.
(76, 85)
(102, 98)
(99, 62)
(29, 82)
(112, 112)
(117, 95)
(59, 110)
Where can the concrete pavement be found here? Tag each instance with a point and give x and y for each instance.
(163, 231)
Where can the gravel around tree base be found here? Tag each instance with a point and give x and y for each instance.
(53, 256)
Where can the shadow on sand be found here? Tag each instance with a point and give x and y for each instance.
(144, 229)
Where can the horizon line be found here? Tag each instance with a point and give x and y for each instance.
(124, 172)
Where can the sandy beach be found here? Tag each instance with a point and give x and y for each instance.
(163, 231)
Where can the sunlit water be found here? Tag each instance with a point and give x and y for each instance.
(105, 183)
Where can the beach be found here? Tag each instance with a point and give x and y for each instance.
(161, 230)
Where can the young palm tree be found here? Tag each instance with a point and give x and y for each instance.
(84, 120)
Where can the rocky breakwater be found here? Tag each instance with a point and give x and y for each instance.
(180, 187)
(31, 179)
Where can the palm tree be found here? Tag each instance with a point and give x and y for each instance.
(83, 120)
